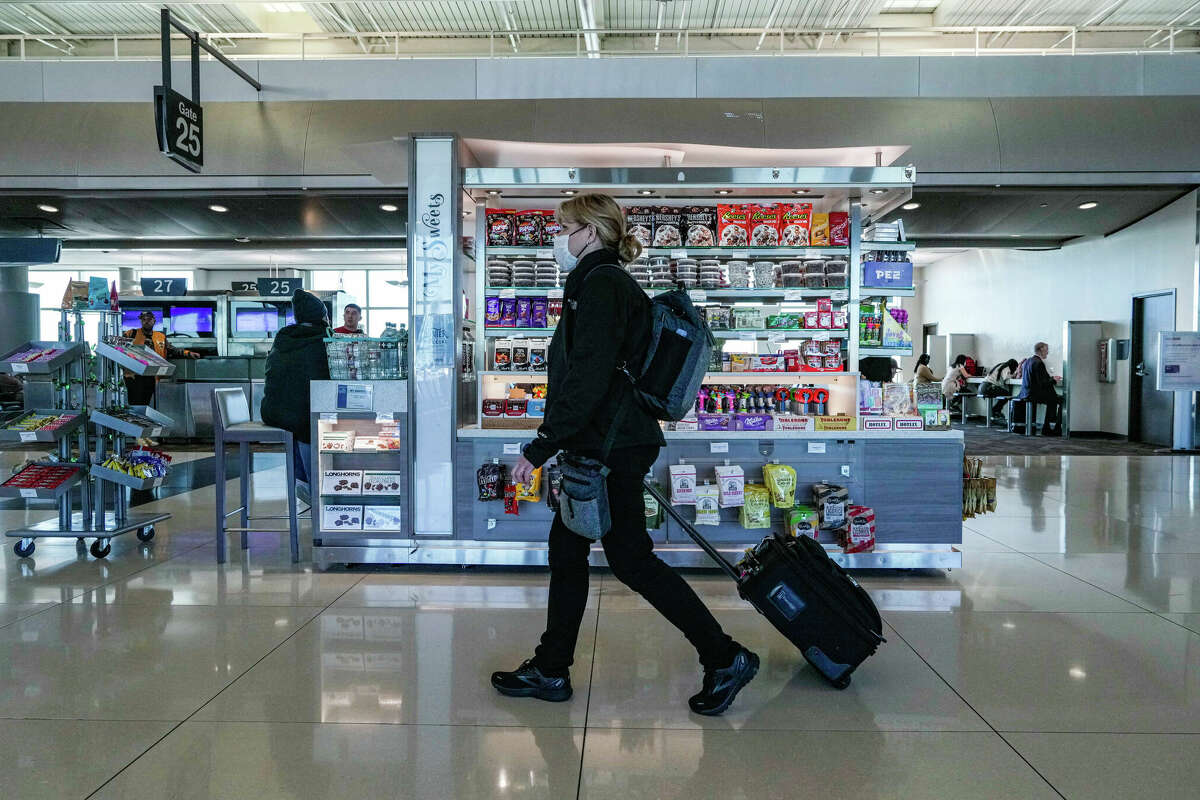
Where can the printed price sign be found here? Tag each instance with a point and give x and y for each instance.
(698, 296)
(28, 436)
(679, 254)
(816, 447)
(793, 295)
(740, 255)
(554, 294)
(384, 417)
(718, 447)
(329, 416)
(747, 336)
(545, 255)
(511, 449)
(839, 295)
(508, 293)
(29, 493)
(19, 367)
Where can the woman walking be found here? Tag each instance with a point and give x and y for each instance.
(605, 325)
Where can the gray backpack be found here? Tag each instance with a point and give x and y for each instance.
(678, 353)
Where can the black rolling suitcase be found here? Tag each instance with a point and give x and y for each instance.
(808, 597)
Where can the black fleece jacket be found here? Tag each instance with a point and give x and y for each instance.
(605, 323)
(297, 357)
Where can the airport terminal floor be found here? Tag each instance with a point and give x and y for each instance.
(1062, 660)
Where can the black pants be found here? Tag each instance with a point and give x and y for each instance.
(140, 389)
(631, 557)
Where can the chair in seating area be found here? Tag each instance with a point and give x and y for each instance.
(232, 423)
(1030, 410)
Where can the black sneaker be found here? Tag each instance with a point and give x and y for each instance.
(528, 681)
(722, 685)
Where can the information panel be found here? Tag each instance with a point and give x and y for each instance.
(432, 233)
(1179, 361)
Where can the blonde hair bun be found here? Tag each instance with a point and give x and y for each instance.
(602, 213)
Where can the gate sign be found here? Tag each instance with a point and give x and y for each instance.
(164, 287)
(279, 287)
(180, 128)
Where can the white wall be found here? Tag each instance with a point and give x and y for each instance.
(1011, 299)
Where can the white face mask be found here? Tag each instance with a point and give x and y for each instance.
(562, 252)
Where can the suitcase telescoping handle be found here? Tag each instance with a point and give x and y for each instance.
(691, 531)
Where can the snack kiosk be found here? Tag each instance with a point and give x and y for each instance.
(774, 257)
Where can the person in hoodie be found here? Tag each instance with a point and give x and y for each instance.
(296, 358)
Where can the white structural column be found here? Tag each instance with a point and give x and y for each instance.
(433, 225)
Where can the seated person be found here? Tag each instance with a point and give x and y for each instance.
(922, 373)
(995, 384)
(954, 381)
(1040, 389)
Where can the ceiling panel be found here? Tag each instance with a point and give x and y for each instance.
(260, 217)
(1014, 215)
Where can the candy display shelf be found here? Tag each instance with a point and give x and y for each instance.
(787, 333)
(863, 352)
(138, 360)
(64, 428)
(874, 291)
(136, 421)
(518, 333)
(104, 505)
(124, 479)
(734, 253)
(43, 481)
(63, 354)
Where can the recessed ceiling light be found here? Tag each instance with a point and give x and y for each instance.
(388, 207)
(724, 191)
(49, 209)
(1043, 205)
(911, 206)
(493, 192)
(241, 239)
(646, 191)
(220, 209)
(800, 191)
(878, 191)
(1015, 235)
(568, 191)
(1090, 204)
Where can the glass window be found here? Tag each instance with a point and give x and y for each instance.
(389, 288)
(377, 318)
(351, 281)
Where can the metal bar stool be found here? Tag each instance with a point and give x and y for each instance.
(1030, 409)
(231, 423)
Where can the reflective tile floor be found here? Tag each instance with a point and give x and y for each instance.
(1063, 660)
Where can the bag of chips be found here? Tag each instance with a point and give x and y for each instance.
(831, 503)
(781, 481)
(708, 511)
(732, 484)
(756, 512)
(683, 484)
(859, 536)
(491, 478)
(531, 493)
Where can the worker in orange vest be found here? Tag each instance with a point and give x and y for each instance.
(141, 387)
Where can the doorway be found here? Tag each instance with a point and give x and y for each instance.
(1151, 412)
(927, 333)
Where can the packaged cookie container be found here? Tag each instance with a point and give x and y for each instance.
(528, 227)
(378, 482)
(341, 481)
(700, 226)
(668, 224)
(748, 319)
(795, 221)
(500, 226)
(732, 225)
(639, 222)
(764, 275)
(763, 224)
(341, 517)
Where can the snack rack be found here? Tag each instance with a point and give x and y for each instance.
(103, 502)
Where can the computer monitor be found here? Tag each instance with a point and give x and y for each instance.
(193, 320)
(255, 320)
(131, 317)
